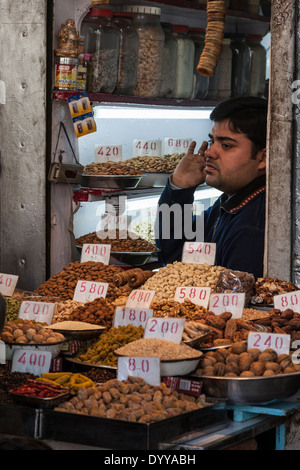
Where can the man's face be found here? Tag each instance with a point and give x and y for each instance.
(229, 161)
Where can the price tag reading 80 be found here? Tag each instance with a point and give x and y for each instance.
(87, 291)
(133, 316)
(279, 342)
(97, 252)
(147, 368)
(199, 253)
(197, 295)
(31, 361)
(170, 329)
(139, 298)
(233, 303)
(38, 311)
(288, 300)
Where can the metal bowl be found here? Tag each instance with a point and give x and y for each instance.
(154, 180)
(82, 334)
(179, 367)
(111, 181)
(251, 390)
(45, 403)
(132, 258)
(54, 348)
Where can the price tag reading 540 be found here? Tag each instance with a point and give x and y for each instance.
(87, 291)
(199, 253)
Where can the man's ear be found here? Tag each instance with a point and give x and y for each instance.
(262, 159)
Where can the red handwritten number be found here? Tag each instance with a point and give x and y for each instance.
(131, 364)
(154, 323)
(145, 365)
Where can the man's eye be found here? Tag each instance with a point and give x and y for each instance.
(226, 146)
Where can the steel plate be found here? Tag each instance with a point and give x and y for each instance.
(111, 181)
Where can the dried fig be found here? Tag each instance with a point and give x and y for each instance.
(239, 347)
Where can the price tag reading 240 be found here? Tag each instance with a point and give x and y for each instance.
(38, 311)
(279, 342)
(147, 368)
(288, 300)
(233, 303)
(197, 295)
(87, 291)
(170, 329)
(199, 253)
(97, 252)
(139, 298)
(133, 316)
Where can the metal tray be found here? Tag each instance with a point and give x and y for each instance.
(85, 365)
(17, 420)
(154, 180)
(37, 402)
(111, 181)
(251, 390)
(79, 334)
(122, 435)
(136, 258)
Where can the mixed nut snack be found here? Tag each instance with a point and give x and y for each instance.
(109, 168)
(128, 242)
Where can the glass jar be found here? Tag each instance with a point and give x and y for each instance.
(241, 66)
(258, 66)
(169, 63)
(201, 83)
(128, 54)
(185, 62)
(146, 20)
(101, 41)
(212, 93)
(225, 66)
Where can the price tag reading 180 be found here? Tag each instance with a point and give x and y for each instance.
(289, 300)
(170, 329)
(87, 291)
(233, 303)
(147, 368)
(8, 284)
(199, 253)
(31, 361)
(197, 295)
(38, 311)
(139, 298)
(98, 252)
(133, 316)
(279, 342)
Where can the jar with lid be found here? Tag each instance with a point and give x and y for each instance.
(201, 83)
(169, 62)
(225, 66)
(258, 65)
(101, 41)
(128, 53)
(146, 21)
(241, 66)
(185, 62)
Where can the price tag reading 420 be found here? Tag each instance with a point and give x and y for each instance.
(233, 303)
(147, 368)
(38, 311)
(289, 300)
(87, 291)
(279, 342)
(31, 361)
(133, 316)
(197, 295)
(97, 252)
(170, 329)
(199, 253)
(8, 284)
(139, 298)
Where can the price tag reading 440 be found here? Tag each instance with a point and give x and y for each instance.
(146, 147)
(170, 329)
(87, 291)
(147, 368)
(133, 316)
(199, 253)
(288, 300)
(280, 343)
(197, 295)
(38, 311)
(8, 284)
(97, 252)
(31, 361)
(233, 303)
(139, 298)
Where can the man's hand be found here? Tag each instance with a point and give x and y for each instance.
(190, 170)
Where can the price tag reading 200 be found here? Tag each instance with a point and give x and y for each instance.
(197, 295)
(38, 311)
(87, 291)
(233, 303)
(139, 298)
(169, 328)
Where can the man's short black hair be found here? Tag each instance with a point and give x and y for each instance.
(247, 115)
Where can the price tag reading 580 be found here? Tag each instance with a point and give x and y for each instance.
(197, 295)
(87, 291)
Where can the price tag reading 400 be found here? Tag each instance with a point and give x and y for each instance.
(97, 252)
(280, 343)
(8, 284)
(38, 311)
(31, 361)
(197, 295)
(87, 291)
(133, 316)
(199, 253)
(233, 303)
(139, 298)
(288, 300)
(170, 329)
(147, 368)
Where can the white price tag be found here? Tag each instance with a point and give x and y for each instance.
(38, 311)
(147, 368)
(87, 291)
(197, 295)
(280, 343)
(32, 361)
(8, 284)
(108, 153)
(167, 328)
(289, 300)
(146, 147)
(175, 145)
(139, 298)
(233, 303)
(199, 253)
(133, 316)
(98, 252)
(2, 352)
